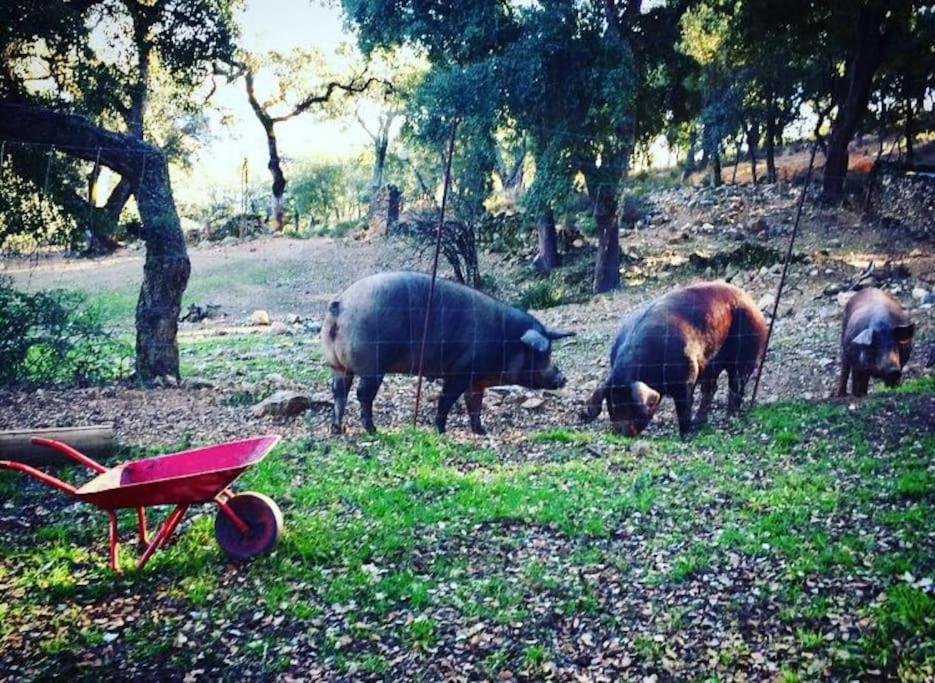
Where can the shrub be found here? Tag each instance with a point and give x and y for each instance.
(55, 336)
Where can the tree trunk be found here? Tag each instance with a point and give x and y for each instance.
(716, 179)
(909, 126)
(166, 269)
(689, 167)
(770, 140)
(607, 263)
(279, 182)
(547, 259)
(852, 99)
(753, 134)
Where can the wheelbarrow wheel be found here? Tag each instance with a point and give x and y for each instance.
(263, 517)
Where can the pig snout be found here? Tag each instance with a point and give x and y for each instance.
(553, 378)
(890, 370)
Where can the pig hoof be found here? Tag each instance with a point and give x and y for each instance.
(337, 429)
(480, 431)
(370, 427)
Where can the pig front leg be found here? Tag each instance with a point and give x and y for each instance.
(859, 382)
(683, 409)
(474, 401)
(451, 392)
(367, 390)
(708, 389)
(340, 387)
(845, 371)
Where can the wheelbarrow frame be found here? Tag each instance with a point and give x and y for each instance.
(165, 487)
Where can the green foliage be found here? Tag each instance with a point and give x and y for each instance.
(325, 194)
(54, 337)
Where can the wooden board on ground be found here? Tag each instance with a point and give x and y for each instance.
(94, 441)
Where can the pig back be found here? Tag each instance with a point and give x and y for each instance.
(672, 340)
(376, 326)
(871, 308)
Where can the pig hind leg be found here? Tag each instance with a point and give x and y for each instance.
(474, 401)
(367, 390)
(340, 387)
(451, 392)
(737, 383)
(845, 372)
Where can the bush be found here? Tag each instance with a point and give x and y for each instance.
(54, 337)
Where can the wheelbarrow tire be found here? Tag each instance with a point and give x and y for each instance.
(263, 517)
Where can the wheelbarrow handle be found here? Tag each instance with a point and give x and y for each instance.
(41, 476)
(69, 451)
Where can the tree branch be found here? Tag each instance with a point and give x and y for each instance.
(309, 101)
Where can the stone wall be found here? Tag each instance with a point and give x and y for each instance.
(905, 197)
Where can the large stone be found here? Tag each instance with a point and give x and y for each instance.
(259, 317)
(766, 302)
(533, 403)
(283, 403)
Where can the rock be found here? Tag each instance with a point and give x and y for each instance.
(920, 294)
(843, 297)
(198, 383)
(659, 219)
(279, 327)
(758, 226)
(275, 379)
(169, 381)
(293, 319)
(532, 403)
(827, 312)
(766, 302)
(578, 243)
(640, 448)
(834, 243)
(311, 326)
(283, 403)
(259, 317)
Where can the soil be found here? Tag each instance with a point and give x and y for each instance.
(290, 277)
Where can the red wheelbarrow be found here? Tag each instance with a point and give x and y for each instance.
(247, 524)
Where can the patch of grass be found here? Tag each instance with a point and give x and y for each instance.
(420, 633)
(251, 357)
(561, 435)
(534, 656)
(914, 483)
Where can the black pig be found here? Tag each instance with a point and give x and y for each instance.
(876, 341)
(666, 347)
(375, 327)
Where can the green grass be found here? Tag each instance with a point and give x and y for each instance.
(251, 357)
(385, 534)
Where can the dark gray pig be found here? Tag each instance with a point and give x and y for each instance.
(876, 341)
(686, 337)
(375, 327)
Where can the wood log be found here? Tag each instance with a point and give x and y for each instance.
(94, 441)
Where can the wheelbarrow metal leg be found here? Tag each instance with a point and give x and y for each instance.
(162, 536)
(141, 522)
(114, 542)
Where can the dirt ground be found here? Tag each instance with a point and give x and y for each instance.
(291, 277)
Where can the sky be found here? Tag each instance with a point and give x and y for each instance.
(267, 25)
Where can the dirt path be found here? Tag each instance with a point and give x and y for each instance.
(281, 275)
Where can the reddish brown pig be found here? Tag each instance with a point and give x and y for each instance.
(666, 347)
(876, 341)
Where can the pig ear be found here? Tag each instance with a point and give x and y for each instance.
(558, 334)
(903, 333)
(536, 340)
(865, 338)
(647, 398)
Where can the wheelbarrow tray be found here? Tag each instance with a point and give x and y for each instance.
(187, 477)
